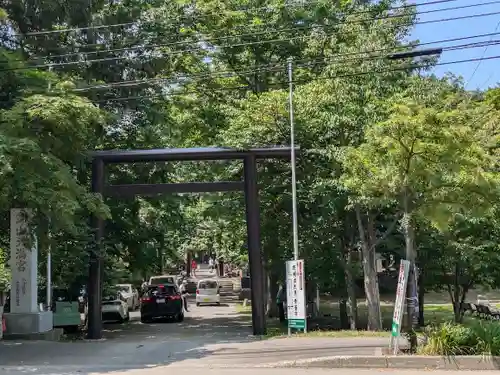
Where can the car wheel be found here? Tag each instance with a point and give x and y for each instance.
(180, 317)
(197, 304)
(145, 320)
(217, 303)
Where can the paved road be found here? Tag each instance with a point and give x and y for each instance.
(248, 371)
(213, 336)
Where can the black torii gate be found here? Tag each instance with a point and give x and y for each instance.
(249, 185)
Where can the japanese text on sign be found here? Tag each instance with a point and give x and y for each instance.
(296, 307)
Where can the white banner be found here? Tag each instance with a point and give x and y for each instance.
(404, 268)
(23, 263)
(295, 289)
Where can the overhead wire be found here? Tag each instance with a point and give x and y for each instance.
(479, 62)
(115, 58)
(97, 27)
(177, 43)
(258, 69)
(395, 69)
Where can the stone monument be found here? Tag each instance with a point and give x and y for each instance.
(25, 316)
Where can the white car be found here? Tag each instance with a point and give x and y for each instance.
(129, 295)
(163, 279)
(114, 309)
(207, 292)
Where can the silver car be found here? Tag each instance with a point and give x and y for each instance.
(130, 295)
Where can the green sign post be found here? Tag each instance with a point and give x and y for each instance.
(297, 323)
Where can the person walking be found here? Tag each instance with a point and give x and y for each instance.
(281, 301)
(184, 294)
(144, 287)
(211, 264)
(193, 267)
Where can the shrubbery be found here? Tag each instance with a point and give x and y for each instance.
(475, 338)
(4, 273)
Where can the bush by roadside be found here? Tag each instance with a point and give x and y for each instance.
(472, 338)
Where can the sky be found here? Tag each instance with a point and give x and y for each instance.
(488, 72)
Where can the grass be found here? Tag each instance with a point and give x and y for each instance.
(329, 325)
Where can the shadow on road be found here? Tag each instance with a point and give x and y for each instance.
(218, 325)
(127, 346)
(209, 336)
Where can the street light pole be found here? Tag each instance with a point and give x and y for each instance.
(410, 253)
(292, 157)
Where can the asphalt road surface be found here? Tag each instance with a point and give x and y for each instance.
(209, 337)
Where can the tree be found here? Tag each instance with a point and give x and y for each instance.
(4, 273)
(427, 160)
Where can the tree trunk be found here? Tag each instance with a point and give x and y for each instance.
(370, 272)
(421, 296)
(457, 293)
(348, 304)
(344, 317)
(266, 285)
(352, 302)
(272, 307)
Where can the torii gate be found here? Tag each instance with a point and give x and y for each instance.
(249, 185)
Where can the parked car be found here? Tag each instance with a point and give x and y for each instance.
(163, 279)
(115, 309)
(129, 295)
(162, 301)
(208, 292)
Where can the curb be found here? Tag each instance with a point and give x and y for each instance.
(399, 362)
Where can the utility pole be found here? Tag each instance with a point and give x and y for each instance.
(49, 248)
(292, 157)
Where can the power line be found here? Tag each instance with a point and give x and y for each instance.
(207, 40)
(403, 68)
(257, 69)
(222, 89)
(479, 62)
(153, 46)
(96, 27)
(116, 58)
(172, 44)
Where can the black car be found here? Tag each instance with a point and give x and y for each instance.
(162, 301)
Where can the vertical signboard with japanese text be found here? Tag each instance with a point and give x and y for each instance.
(296, 294)
(397, 318)
(23, 262)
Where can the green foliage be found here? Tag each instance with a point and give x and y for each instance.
(369, 139)
(475, 338)
(427, 153)
(4, 272)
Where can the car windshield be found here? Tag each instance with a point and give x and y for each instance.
(125, 288)
(162, 280)
(207, 285)
(168, 290)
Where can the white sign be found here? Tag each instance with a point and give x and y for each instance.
(23, 263)
(397, 318)
(296, 294)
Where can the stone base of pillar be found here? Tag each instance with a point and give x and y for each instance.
(28, 323)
